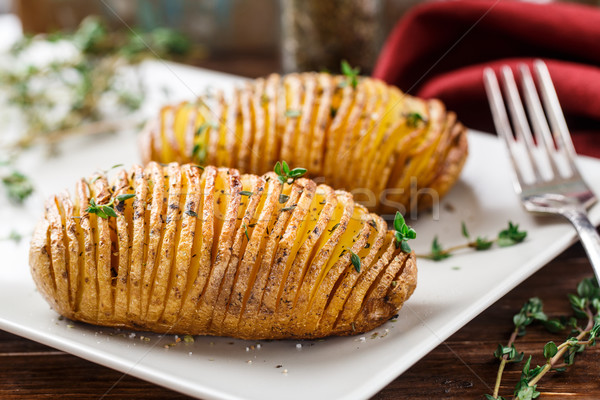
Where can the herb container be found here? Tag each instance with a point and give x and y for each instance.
(317, 34)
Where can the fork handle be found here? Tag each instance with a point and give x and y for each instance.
(588, 235)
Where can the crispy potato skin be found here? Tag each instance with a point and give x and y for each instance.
(391, 150)
(212, 252)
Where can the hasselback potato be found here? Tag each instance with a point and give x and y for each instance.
(182, 249)
(369, 138)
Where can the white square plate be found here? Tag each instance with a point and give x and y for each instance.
(449, 293)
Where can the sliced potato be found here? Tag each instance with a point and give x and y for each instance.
(213, 252)
(372, 140)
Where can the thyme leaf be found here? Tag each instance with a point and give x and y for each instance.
(403, 233)
(287, 175)
(355, 260)
(350, 73)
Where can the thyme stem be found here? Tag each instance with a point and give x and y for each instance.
(503, 362)
(563, 347)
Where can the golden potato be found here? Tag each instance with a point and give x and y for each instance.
(182, 249)
(380, 144)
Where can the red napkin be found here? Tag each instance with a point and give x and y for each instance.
(440, 49)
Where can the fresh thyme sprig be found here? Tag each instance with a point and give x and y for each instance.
(13, 236)
(66, 95)
(585, 305)
(18, 186)
(506, 237)
(107, 210)
(351, 74)
(403, 233)
(285, 175)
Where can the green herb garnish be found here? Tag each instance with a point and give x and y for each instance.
(285, 175)
(586, 306)
(355, 260)
(18, 186)
(510, 236)
(437, 252)
(205, 125)
(125, 196)
(507, 237)
(13, 236)
(246, 231)
(350, 73)
(414, 119)
(199, 153)
(81, 82)
(403, 233)
(106, 210)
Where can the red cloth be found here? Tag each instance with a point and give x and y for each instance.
(440, 49)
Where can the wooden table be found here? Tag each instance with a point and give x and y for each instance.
(462, 367)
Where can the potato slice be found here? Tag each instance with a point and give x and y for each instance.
(59, 261)
(124, 245)
(101, 236)
(245, 134)
(154, 237)
(139, 240)
(227, 188)
(72, 252)
(168, 244)
(253, 254)
(201, 250)
(258, 129)
(272, 143)
(321, 122)
(88, 295)
(191, 188)
(326, 198)
(249, 204)
(367, 253)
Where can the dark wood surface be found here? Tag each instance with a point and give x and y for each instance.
(462, 367)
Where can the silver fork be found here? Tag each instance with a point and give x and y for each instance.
(546, 175)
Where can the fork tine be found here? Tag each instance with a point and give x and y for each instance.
(501, 121)
(557, 119)
(538, 118)
(519, 118)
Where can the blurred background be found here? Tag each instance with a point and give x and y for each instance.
(241, 36)
(62, 70)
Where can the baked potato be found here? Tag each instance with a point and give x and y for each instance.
(391, 150)
(208, 251)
